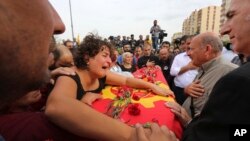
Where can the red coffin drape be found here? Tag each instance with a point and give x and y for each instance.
(152, 108)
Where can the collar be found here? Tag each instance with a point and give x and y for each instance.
(204, 67)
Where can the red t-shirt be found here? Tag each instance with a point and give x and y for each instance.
(32, 126)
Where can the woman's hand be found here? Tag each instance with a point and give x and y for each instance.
(161, 91)
(59, 71)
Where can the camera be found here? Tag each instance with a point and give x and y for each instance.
(162, 34)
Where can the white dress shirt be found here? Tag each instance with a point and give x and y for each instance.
(185, 78)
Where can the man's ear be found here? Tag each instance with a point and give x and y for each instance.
(208, 47)
(208, 50)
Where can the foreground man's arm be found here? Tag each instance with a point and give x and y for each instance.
(82, 120)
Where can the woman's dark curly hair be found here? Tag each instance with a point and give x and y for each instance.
(90, 47)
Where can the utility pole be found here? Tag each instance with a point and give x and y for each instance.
(71, 19)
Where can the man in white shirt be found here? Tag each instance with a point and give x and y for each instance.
(183, 70)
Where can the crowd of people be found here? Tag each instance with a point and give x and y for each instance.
(47, 89)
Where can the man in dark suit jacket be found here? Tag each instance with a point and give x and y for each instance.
(228, 104)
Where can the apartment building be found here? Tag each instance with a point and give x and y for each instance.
(203, 20)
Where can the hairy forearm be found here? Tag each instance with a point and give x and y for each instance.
(82, 120)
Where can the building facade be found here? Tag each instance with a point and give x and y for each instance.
(176, 35)
(203, 20)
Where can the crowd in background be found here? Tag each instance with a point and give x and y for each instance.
(163, 54)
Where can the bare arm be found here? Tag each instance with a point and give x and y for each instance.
(189, 66)
(73, 115)
(115, 79)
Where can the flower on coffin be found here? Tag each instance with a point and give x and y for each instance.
(133, 109)
(123, 101)
(149, 74)
(150, 79)
(135, 97)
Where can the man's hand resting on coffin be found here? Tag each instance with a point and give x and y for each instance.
(180, 112)
(157, 133)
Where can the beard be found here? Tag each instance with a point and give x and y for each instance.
(23, 77)
(14, 87)
(35, 84)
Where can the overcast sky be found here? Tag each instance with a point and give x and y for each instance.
(125, 17)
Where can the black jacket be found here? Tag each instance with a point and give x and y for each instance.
(227, 105)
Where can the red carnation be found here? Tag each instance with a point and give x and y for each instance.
(120, 90)
(118, 97)
(135, 97)
(134, 110)
(143, 76)
(154, 74)
(150, 79)
(141, 70)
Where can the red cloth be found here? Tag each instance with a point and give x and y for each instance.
(152, 108)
